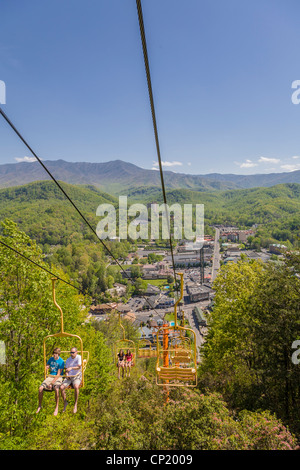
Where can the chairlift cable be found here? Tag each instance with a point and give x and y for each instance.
(147, 69)
(68, 197)
(55, 181)
(38, 265)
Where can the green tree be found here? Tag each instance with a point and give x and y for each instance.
(248, 352)
(135, 272)
(26, 317)
(276, 324)
(229, 351)
(134, 416)
(140, 286)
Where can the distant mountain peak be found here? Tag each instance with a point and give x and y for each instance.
(117, 175)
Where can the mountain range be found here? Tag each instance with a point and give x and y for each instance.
(115, 176)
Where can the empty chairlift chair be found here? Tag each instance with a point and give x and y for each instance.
(146, 348)
(176, 360)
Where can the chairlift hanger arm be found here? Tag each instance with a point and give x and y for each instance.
(56, 304)
(179, 299)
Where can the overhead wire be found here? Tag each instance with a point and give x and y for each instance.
(147, 69)
(151, 99)
(48, 271)
(54, 275)
(55, 181)
(38, 265)
(69, 199)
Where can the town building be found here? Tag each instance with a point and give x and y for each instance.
(118, 290)
(234, 235)
(191, 258)
(198, 312)
(103, 309)
(276, 248)
(151, 290)
(198, 293)
(159, 270)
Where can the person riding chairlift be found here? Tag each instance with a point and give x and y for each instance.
(128, 361)
(121, 362)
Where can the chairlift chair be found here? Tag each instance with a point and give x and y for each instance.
(63, 334)
(146, 348)
(124, 344)
(176, 364)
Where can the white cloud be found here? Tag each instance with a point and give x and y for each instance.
(25, 159)
(267, 164)
(246, 164)
(291, 167)
(268, 160)
(174, 163)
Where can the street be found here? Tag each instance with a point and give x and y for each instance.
(216, 256)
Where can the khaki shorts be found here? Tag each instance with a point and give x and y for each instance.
(49, 380)
(75, 380)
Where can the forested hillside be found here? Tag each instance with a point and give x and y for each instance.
(275, 210)
(247, 396)
(42, 212)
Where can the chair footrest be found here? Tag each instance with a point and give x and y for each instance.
(176, 373)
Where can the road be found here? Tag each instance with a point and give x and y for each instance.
(188, 308)
(188, 312)
(216, 256)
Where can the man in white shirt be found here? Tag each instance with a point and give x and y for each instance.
(73, 377)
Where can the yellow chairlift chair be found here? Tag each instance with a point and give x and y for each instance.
(146, 348)
(63, 334)
(176, 360)
(124, 344)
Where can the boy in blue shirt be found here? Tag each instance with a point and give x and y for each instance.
(53, 381)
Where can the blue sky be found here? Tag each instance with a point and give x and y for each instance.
(222, 74)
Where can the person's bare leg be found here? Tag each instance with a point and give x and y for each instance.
(56, 391)
(63, 394)
(41, 390)
(76, 394)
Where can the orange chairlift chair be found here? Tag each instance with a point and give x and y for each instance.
(176, 360)
(63, 334)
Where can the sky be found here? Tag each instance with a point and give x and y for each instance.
(73, 82)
